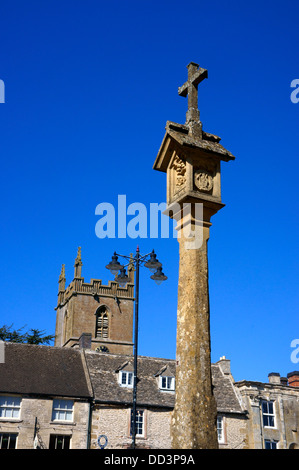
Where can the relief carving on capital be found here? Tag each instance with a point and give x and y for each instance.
(203, 180)
(179, 166)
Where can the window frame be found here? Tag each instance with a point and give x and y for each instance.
(102, 323)
(170, 380)
(61, 436)
(62, 409)
(271, 443)
(142, 414)
(220, 427)
(4, 408)
(10, 434)
(128, 383)
(267, 416)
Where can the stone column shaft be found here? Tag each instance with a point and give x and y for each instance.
(195, 413)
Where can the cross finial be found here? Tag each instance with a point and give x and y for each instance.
(196, 75)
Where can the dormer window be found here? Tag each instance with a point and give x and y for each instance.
(126, 378)
(166, 378)
(166, 382)
(125, 374)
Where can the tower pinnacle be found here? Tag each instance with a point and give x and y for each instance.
(78, 264)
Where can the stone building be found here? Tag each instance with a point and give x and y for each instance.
(104, 311)
(273, 411)
(44, 398)
(57, 397)
(112, 387)
(78, 393)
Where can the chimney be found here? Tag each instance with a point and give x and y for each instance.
(293, 378)
(85, 341)
(224, 365)
(274, 378)
(284, 381)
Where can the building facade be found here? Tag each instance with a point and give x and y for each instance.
(44, 398)
(79, 398)
(273, 411)
(106, 312)
(78, 394)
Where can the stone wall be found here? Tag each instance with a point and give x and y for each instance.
(285, 401)
(78, 315)
(41, 408)
(114, 422)
(234, 430)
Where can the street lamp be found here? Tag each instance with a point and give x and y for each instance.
(150, 261)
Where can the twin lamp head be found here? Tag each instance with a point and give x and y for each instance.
(152, 264)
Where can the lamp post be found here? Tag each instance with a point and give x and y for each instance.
(149, 261)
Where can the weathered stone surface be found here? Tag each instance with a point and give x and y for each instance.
(79, 304)
(191, 158)
(195, 413)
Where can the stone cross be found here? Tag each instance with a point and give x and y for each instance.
(191, 159)
(196, 75)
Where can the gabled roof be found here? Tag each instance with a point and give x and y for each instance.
(224, 391)
(43, 370)
(66, 372)
(165, 371)
(102, 370)
(178, 134)
(104, 378)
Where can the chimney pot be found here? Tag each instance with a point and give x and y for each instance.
(293, 378)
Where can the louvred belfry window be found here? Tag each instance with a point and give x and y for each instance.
(102, 324)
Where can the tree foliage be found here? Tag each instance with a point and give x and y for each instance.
(32, 336)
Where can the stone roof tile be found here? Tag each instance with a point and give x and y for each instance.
(104, 379)
(43, 370)
(48, 370)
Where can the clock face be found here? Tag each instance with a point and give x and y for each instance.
(102, 349)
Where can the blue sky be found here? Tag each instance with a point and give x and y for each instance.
(89, 86)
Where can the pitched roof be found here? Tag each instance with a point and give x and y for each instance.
(103, 371)
(179, 134)
(53, 371)
(224, 391)
(43, 370)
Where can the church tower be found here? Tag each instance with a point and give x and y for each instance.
(103, 312)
